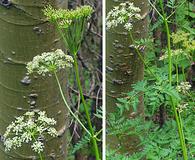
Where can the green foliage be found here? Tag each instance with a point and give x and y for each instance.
(160, 141)
(157, 24)
(85, 140)
(132, 98)
(182, 14)
(171, 3)
(186, 43)
(191, 10)
(155, 94)
(157, 143)
(112, 155)
(99, 113)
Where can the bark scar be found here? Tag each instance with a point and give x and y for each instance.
(6, 3)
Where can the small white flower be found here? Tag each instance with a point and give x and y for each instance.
(165, 56)
(19, 119)
(18, 129)
(8, 144)
(42, 118)
(37, 146)
(8, 129)
(182, 107)
(176, 52)
(26, 137)
(49, 62)
(184, 87)
(128, 26)
(31, 114)
(42, 113)
(30, 124)
(124, 14)
(40, 129)
(52, 132)
(27, 129)
(17, 142)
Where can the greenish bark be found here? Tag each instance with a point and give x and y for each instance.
(24, 34)
(123, 66)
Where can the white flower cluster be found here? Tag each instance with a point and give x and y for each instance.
(49, 62)
(184, 87)
(182, 107)
(37, 146)
(28, 128)
(176, 52)
(124, 14)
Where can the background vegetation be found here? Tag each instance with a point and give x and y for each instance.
(157, 130)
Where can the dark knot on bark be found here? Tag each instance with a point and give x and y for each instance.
(1, 138)
(5, 3)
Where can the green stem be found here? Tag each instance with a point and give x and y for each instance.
(140, 56)
(179, 126)
(183, 73)
(181, 135)
(40, 155)
(96, 135)
(168, 42)
(83, 100)
(94, 141)
(66, 104)
(61, 33)
(177, 74)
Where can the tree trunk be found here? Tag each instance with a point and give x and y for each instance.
(24, 34)
(123, 66)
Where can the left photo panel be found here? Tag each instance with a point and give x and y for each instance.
(51, 80)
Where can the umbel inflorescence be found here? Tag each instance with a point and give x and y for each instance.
(49, 62)
(124, 14)
(184, 87)
(28, 129)
(67, 17)
(70, 24)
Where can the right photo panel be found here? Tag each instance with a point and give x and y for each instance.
(150, 80)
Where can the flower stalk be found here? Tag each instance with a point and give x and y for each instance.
(141, 57)
(180, 131)
(71, 25)
(40, 155)
(168, 41)
(177, 116)
(93, 137)
(66, 104)
(125, 14)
